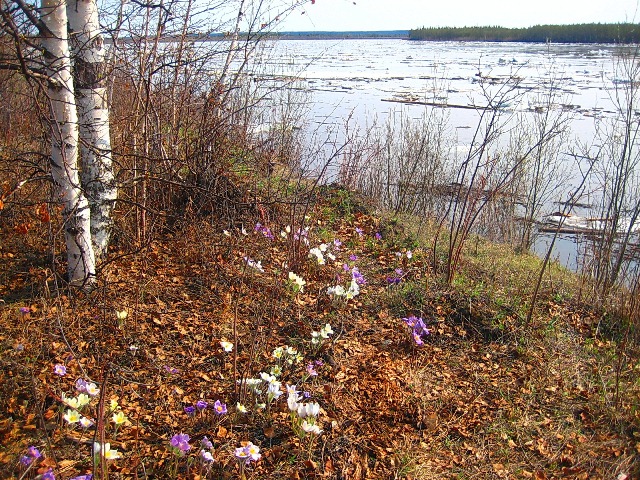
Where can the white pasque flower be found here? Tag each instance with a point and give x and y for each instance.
(291, 351)
(337, 291)
(273, 390)
(267, 377)
(326, 331)
(253, 264)
(354, 290)
(106, 451)
(316, 252)
(226, 346)
(297, 280)
(310, 427)
(253, 384)
(292, 401)
(92, 389)
(86, 422)
(311, 409)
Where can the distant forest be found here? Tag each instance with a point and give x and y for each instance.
(579, 33)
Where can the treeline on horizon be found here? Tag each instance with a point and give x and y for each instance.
(578, 33)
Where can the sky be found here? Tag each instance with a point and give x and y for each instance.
(345, 15)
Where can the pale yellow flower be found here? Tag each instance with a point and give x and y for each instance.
(72, 416)
(119, 418)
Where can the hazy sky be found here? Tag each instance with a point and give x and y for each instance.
(408, 14)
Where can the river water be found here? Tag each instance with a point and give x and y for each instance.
(355, 77)
(363, 79)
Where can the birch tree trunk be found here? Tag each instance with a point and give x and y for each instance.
(64, 144)
(89, 75)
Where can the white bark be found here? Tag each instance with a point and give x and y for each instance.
(90, 81)
(64, 145)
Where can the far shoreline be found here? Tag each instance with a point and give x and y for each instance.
(621, 34)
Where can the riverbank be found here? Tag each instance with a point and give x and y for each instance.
(175, 331)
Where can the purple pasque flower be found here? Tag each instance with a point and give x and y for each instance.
(33, 452)
(337, 244)
(242, 455)
(171, 370)
(301, 233)
(24, 310)
(421, 328)
(410, 321)
(81, 385)
(190, 410)
(418, 328)
(59, 369)
(306, 394)
(180, 441)
(219, 407)
(88, 476)
(266, 231)
(394, 280)
(357, 276)
(359, 231)
(201, 404)
(248, 453)
(378, 236)
(48, 475)
(311, 370)
(206, 443)
(353, 257)
(206, 456)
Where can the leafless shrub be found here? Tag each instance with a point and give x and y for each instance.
(617, 173)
